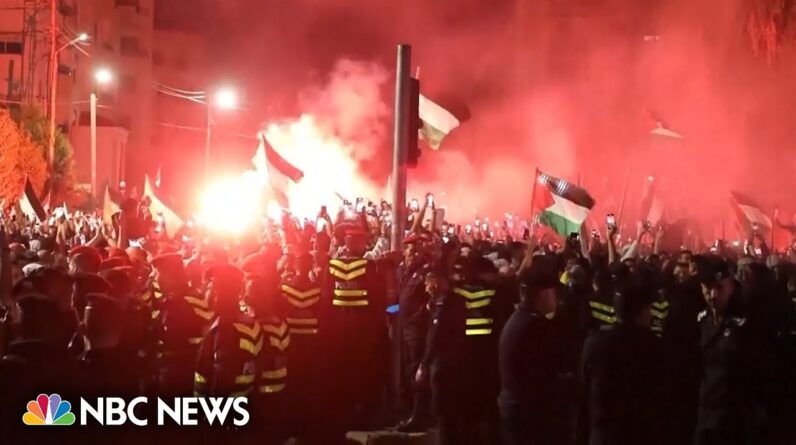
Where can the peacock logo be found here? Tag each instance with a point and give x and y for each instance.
(49, 410)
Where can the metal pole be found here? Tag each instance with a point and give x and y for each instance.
(209, 138)
(624, 189)
(93, 102)
(53, 83)
(400, 144)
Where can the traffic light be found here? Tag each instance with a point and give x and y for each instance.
(414, 123)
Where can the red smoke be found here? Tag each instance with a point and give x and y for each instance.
(555, 85)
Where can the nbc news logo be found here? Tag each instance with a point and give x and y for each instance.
(48, 410)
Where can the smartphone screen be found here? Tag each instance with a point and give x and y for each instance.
(430, 199)
(610, 220)
(414, 205)
(468, 228)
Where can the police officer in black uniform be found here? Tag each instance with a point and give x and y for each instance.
(531, 359)
(623, 375)
(730, 409)
(354, 321)
(461, 353)
(180, 319)
(301, 295)
(413, 318)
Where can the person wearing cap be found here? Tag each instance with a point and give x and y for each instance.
(301, 302)
(622, 372)
(731, 364)
(262, 297)
(179, 321)
(83, 284)
(34, 362)
(355, 331)
(531, 361)
(227, 364)
(444, 362)
(474, 283)
(413, 319)
(100, 364)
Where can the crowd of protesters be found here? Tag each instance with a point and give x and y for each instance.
(504, 333)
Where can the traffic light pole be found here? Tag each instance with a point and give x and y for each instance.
(400, 145)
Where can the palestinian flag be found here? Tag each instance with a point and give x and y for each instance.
(30, 205)
(659, 127)
(560, 205)
(651, 205)
(749, 213)
(437, 122)
(160, 211)
(110, 207)
(279, 172)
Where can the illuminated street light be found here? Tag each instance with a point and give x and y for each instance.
(226, 99)
(103, 76)
(82, 37)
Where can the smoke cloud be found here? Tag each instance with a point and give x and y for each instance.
(556, 85)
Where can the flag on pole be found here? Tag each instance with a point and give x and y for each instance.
(159, 209)
(30, 204)
(660, 127)
(437, 122)
(109, 207)
(651, 205)
(749, 213)
(560, 205)
(279, 172)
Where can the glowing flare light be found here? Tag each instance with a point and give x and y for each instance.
(233, 205)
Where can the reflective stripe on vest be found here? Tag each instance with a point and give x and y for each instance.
(660, 309)
(303, 326)
(280, 344)
(199, 385)
(200, 308)
(250, 331)
(244, 379)
(347, 271)
(602, 312)
(478, 326)
(250, 346)
(300, 299)
(477, 299)
(273, 380)
(270, 389)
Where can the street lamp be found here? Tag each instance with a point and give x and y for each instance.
(102, 76)
(82, 37)
(225, 98)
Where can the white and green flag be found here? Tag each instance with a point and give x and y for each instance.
(437, 122)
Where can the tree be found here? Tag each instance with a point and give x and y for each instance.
(37, 126)
(20, 158)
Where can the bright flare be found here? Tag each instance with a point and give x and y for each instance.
(327, 162)
(232, 206)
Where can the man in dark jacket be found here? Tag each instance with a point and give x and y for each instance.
(413, 318)
(731, 365)
(622, 371)
(531, 358)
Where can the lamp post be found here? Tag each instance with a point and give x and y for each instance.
(82, 37)
(225, 99)
(101, 77)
